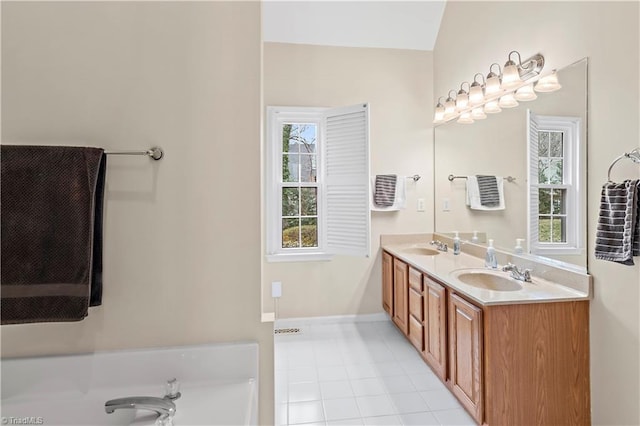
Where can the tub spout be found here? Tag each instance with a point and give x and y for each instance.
(164, 407)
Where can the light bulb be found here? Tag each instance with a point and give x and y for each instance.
(478, 114)
(462, 100)
(449, 106)
(492, 107)
(548, 83)
(493, 84)
(439, 113)
(475, 94)
(508, 101)
(510, 76)
(525, 93)
(465, 118)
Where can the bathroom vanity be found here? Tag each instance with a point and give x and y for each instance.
(513, 353)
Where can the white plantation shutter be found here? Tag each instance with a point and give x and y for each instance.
(346, 174)
(532, 136)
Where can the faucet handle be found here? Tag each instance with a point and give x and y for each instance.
(527, 275)
(172, 389)
(508, 267)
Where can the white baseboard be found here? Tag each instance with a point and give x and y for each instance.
(334, 319)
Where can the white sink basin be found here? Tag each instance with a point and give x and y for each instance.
(487, 279)
(422, 251)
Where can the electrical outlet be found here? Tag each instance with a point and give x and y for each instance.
(420, 206)
(445, 205)
(276, 289)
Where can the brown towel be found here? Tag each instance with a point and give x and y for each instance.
(618, 233)
(49, 201)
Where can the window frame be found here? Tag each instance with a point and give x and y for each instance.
(570, 127)
(276, 118)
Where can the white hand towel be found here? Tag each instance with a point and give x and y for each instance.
(400, 199)
(473, 194)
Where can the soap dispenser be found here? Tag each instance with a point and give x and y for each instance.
(474, 239)
(518, 248)
(490, 260)
(456, 243)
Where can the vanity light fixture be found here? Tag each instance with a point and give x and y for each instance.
(450, 104)
(493, 81)
(507, 101)
(502, 88)
(510, 73)
(462, 98)
(476, 92)
(478, 113)
(465, 118)
(492, 107)
(548, 83)
(525, 93)
(439, 115)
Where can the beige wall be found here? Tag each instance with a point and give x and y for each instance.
(397, 84)
(606, 32)
(181, 250)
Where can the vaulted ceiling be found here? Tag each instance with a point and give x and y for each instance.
(383, 24)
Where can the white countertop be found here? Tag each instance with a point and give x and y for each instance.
(442, 265)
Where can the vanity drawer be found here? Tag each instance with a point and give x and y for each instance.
(416, 305)
(415, 280)
(416, 333)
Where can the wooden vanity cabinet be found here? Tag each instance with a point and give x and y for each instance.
(387, 283)
(514, 364)
(401, 295)
(416, 306)
(465, 354)
(435, 327)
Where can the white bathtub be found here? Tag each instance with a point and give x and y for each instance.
(219, 386)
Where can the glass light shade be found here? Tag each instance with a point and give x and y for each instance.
(508, 101)
(525, 93)
(492, 107)
(478, 113)
(462, 100)
(439, 114)
(510, 76)
(449, 106)
(465, 118)
(493, 84)
(475, 94)
(548, 83)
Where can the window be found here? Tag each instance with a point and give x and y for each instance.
(553, 184)
(317, 192)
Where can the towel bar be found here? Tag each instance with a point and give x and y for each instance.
(156, 153)
(509, 179)
(633, 155)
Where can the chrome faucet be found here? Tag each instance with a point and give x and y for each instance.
(165, 407)
(439, 245)
(516, 273)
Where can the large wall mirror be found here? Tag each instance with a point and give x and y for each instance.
(546, 203)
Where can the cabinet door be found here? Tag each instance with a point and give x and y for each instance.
(401, 295)
(435, 339)
(465, 354)
(387, 283)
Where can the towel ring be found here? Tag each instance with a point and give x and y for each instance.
(633, 155)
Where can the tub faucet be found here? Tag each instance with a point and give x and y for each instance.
(520, 275)
(163, 406)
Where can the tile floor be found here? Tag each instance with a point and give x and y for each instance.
(357, 373)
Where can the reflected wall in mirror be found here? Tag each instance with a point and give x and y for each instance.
(499, 145)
